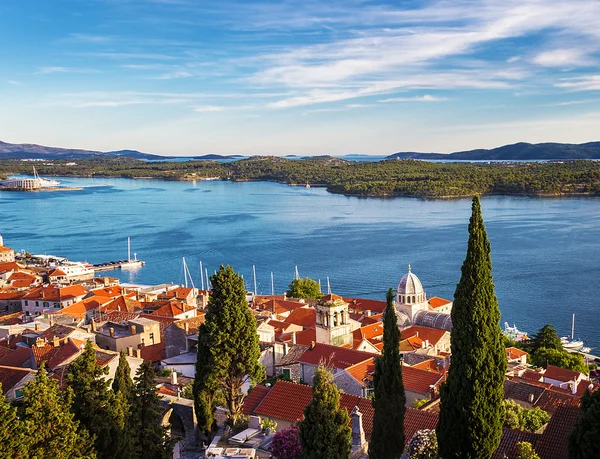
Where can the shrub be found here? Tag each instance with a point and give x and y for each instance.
(423, 445)
(286, 444)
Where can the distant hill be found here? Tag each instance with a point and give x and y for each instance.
(32, 151)
(515, 152)
(217, 157)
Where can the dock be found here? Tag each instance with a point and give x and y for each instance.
(120, 264)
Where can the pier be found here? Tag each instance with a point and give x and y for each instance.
(120, 264)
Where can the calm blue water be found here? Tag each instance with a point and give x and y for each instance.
(545, 251)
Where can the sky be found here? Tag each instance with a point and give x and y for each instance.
(187, 77)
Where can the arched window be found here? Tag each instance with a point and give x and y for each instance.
(335, 319)
(413, 299)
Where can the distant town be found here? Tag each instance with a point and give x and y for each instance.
(51, 307)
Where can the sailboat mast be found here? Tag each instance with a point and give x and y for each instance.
(328, 286)
(573, 328)
(185, 273)
(272, 284)
(254, 274)
(207, 281)
(296, 275)
(201, 275)
(128, 249)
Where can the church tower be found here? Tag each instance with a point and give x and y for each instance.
(333, 322)
(410, 296)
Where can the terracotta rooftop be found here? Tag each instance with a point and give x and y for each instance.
(254, 398)
(10, 376)
(305, 317)
(368, 331)
(16, 357)
(154, 352)
(509, 440)
(304, 337)
(433, 335)
(420, 381)
(281, 306)
(173, 309)
(561, 374)
(193, 323)
(362, 371)
(335, 356)
(79, 309)
(437, 302)
(553, 443)
(362, 304)
(56, 293)
(121, 304)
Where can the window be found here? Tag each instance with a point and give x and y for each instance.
(37, 304)
(46, 304)
(57, 305)
(26, 303)
(287, 373)
(151, 336)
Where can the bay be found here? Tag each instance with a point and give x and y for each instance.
(545, 251)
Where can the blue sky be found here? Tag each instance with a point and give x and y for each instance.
(182, 77)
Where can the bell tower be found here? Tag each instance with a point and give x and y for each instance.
(333, 322)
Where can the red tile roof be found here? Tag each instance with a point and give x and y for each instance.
(513, 353)
(305, 337)
(10, 376)
(57, 273)
(281, 306)
(8, 266)
(531, 375)
(79, 309)
(256, 395)
(369, 331)
(509, 440)
(420, 381)
(330, 297)
(553, 443)
(172, 309)
(433, 335)
(561, 374)
(154, 352)
(305, 317)
(437, 302)
(372, 319)
(335, 356)
(16, 357)
(56, 293)
(121, 304)
(428, 365)
(362, 304)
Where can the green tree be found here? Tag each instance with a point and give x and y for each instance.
(546, 337)
(228, 347)
(13, 441)
(151, 439)
(123, 382)
(563, 359)
(94, 404)
(472, 399)
(387, 439)
(304, 288)
(206, 386)
(525, 451)
(583, 441)
(325, 432)
(50, 426)
(529, 420)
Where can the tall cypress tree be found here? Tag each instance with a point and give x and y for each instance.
(472, 409)
(150, 438)
(13, 440)
(583, 441)
(94, 405)
(387, 439)
(205, 386)
(325, 431)
(123, 382)
(228, 346)
(51, 429)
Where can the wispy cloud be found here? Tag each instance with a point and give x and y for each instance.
(209, 108)
(51, 70)
(15, 83)
(562, 58)
(425, 98)
(582, 83)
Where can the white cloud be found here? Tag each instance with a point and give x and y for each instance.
(51, 70)
(425, 98)
(561, 58)
(15, 83)
(583, 83)
(209, 108)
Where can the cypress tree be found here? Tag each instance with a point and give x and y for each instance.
(205, 384)
(325, 432)
(122, 382)
(51, 429)
(387, 439)
(13, 441)
(150, 438)
(228, 347)
(94, 405)
(472, 399)
(583, 441)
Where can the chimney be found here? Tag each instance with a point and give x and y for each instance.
(106, 282)
(294, 338)
(186, 327)
(94, 325)
(531, 398)
(574, 387)
(368, 313)
(56, 341)
(417, 334)
(312, 345)
(40, 342)
(286, 348)
(111, 332)
(138, 353)
(36, 326)
(129, 351)
(133, 329)
(173, 377)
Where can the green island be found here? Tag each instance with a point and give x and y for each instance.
(380, 179)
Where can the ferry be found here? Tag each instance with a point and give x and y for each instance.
(514, 333)
(28, 184)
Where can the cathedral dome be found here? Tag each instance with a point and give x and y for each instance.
(410, 284)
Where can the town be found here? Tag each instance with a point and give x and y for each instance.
(53, 317)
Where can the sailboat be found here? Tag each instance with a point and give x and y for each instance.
(131, 263)
(572, 344)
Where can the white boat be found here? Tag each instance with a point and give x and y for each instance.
(514, 333)
(572, 344)
(585, 350)
(131, 263)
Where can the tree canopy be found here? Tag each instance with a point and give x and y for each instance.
(325, 432)
(228, 348)
(304, 288)
(546, 337)
(526, 419)
(583, 441)
(472, 399)
(559, 358)
(387, 439)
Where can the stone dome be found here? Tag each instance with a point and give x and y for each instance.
(410, 284)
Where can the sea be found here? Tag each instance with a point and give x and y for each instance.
(545, 251)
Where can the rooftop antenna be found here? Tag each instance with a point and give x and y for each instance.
(272, 284)
(296, 275)
(254, 274)
(201, 275)
(328, 286)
